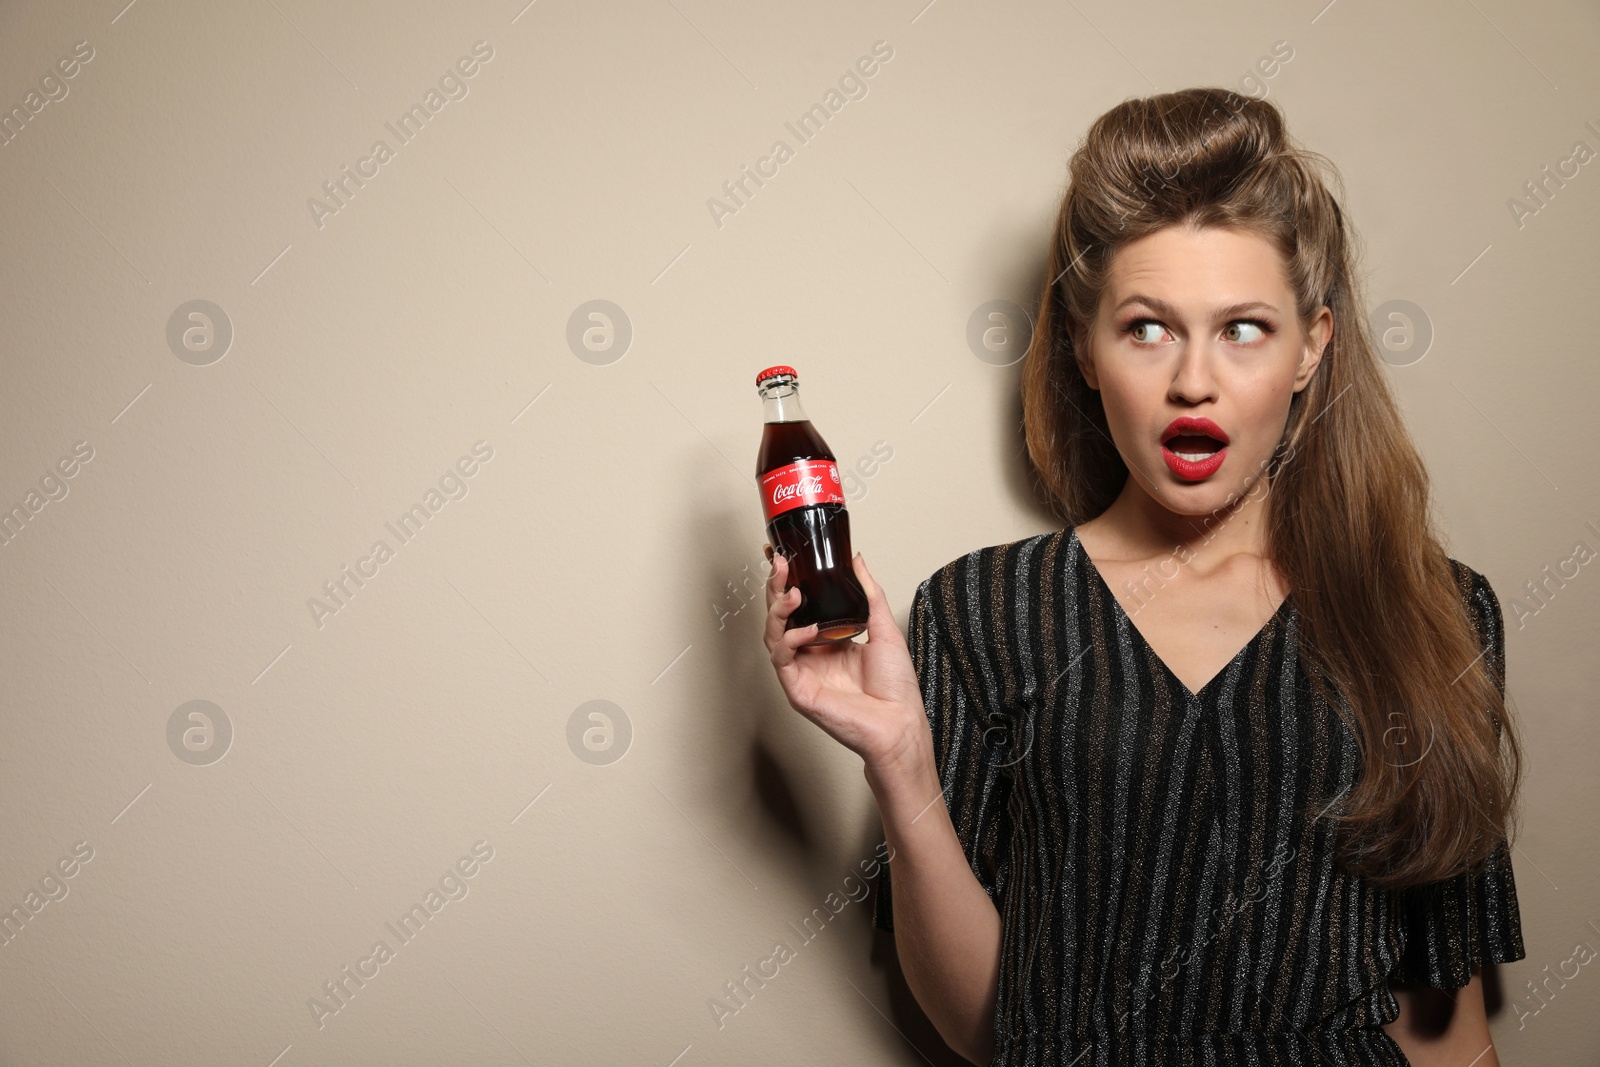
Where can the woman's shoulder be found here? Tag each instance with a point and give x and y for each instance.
(977, 608)
(1483, 606)
(972, 585)
(998, 563)
(1466, 578)
(1475, 589)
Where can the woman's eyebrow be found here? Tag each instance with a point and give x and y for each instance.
(1161, 307)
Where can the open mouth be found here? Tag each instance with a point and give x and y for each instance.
(1194, 447)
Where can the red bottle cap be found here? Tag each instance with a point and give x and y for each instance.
(771, 371)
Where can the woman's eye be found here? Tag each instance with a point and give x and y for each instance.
(1144, 331)
(1256, 326)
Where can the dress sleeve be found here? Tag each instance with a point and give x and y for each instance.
(1450, 926)
(976, 786)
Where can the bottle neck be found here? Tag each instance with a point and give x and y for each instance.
(781, 403)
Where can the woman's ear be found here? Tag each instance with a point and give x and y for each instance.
(1085, 361)
(1318, 337)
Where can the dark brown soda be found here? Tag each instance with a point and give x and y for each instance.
(815, 540)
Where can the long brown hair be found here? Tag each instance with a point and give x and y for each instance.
(1381, 617)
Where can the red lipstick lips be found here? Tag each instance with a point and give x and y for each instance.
(1186, 446)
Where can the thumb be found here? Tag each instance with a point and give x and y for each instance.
(880, 621)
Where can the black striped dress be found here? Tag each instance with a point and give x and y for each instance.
(1166, 894)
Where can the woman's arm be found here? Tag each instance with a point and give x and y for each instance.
(868, 698)
(946, 929)
(1443, 1027)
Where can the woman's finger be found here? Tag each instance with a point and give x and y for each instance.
(782, 604)
(775, 580)
(789, 644)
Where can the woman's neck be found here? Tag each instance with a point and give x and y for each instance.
(1136, 526)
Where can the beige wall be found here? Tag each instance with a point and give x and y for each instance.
(599, 549)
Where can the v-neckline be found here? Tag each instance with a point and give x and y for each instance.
(1122, 614)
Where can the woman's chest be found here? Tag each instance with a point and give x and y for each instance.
(1139, 759)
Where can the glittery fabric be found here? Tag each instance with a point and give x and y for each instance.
(1167, 892)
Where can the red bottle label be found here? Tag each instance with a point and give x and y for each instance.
(798, 484)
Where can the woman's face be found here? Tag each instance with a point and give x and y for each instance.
(1199, 324)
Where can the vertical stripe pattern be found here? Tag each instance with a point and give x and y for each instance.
(1167, 892)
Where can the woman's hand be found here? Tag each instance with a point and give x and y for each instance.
(865, 696)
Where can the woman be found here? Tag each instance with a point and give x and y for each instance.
(1226, 765)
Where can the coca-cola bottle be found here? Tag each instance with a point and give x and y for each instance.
(803, 501)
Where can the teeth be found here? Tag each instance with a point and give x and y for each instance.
(1194, 457)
